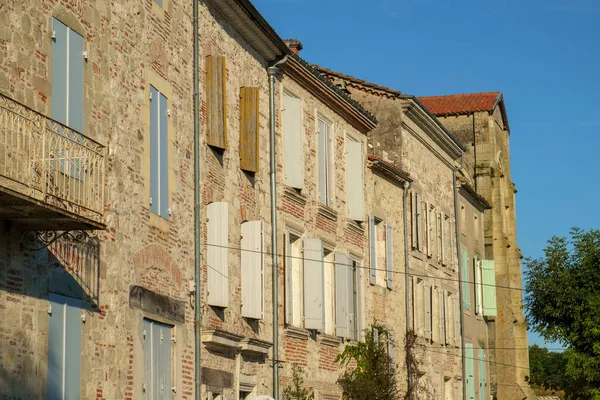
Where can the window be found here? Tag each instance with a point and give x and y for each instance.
(442, 315)
(64, 347)
(324, 141)
(294, 278)
(249, 129)
(482, 380)
(463, 220)
(465, 280)
(430, 237)
(347, 297)
(456, 320)
(293, 153)
(428, 314)
(217, 254)
(477, 285)
(67, 76)
(216, 77)
(453, 245)
(355, 179)
(159, 2)
(313, 284)
(488, 274)
(416, 221)
(469, 370)
(440, 237)
(381, 251)
(252, 265)
(476, 230)
(159, 154)
(158, 360)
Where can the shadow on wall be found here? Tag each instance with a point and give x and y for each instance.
(20, 376)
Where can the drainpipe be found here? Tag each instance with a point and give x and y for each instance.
(460, 274)
(405, 188)
(197, 197)
(272, 71)
(474, 155)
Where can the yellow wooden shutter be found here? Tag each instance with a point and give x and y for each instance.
(216, 101)
(249, 129)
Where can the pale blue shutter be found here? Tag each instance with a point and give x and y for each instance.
(75, 91)
(148, 378)
(482, 380)
(252, 269)
(351, 299)
(289, 281)
(476, 286)
(159, 2)
(313, 284)
(217, 256)
(162, 352)
(465, 280)
(154, 150)
(489, 288)
(359, 301)
(56, 347)
(322, 160)
(372, 251)
(164, 157)
(470, 371)
(59, 71)
(293, 141)
(341, 295)
(389, 255)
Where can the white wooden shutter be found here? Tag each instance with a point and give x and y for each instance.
(427, 306)
(456, 316)
(430, 238)
(438, 226)
(443, 256)
(352, 294)
(419, 223)
(293, 141)
(289, 281)
(389, 255)
(358, 312)
(217, 256)
(313, 284)
(442, 301)
(489, 288)
(341, 295)
(411, 299)
(355, 179)
(372, 250)
(476, 285)
(413, 220)
(252, 263)
(453, 244)
(392, 349)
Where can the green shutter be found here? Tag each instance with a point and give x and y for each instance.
(470, 371)
(465, 280)
(489, 288)
(482, 381)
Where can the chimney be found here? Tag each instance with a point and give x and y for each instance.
(294, 45)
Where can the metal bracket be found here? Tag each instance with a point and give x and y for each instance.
(39, 240)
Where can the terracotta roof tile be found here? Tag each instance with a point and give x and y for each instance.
(461, 103)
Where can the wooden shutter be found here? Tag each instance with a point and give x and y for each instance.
(482, 380)
(157, 360)
(372, 251)
(355, 179)
(64, 347)
(289, 281)
(217, 254)
(341, 295)
(154, 151)
(469, 371)
(313, 284)
(293, 151)
(489, 288)
(456, 318)
(376, 335)
(358, 312)
(453, 245)
(216, 101)
(427, 307)
(163, 143)
(392, 349)
(429, 232)
(477, 285)
(252, 265)
(439, 232)
(443, 239)
(75, 87)
(419, 223)
(322, 167)
(413, 220)
(148, 376)
(249, 129)
(442, 304)
(411, 299)
(352, 294)
(59, 71)
(389, 255)
(465, 280)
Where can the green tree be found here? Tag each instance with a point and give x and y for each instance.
(547, 370)
(562, 299)
(370, 373)
(297, 391)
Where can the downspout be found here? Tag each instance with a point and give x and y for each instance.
(197, 197)
(474, 155)
(272, 71)
(405, 188)
(460, 274)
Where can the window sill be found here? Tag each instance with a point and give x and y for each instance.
(329, 340)
(294, 195)
(356, 226)
(327, 212)
(297, 333)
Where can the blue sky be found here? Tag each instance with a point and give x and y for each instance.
(542, 54)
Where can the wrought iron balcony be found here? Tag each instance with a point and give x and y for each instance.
(51, 176)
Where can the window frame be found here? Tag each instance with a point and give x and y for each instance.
(328, 162)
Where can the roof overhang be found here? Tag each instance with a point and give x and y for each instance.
(473, 197)
(388, 170)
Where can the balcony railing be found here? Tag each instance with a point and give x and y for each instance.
(50, 162)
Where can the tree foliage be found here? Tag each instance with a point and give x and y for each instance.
(297, 391)
(562, 299)
(370, 373)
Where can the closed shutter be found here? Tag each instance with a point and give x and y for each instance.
(375, 335)
(411, 299)
(372, 251)
(470, 371)
(438, 226)
(59, 71)
(419, 223)
(427, 306)
(64, 348)
(354, 179)
(216, 103)
(252, 263)
(477, 286)
(217, 254)
(313, 284)
(444, 250)
(453, 245)
(352, 297)
(482, 380)
(289, 281)
(456, 317)
(249, 129)
(341, 295)
(163, 162)
(442, 301)
(157, 361)
(413, 220)
(489, 288)
(358, 312)
(465, 280)
(323, 160)
(389, 255)
(154, 151)
(75, 85)
(429, 232)
(148, 375)
(293, 141)
(392, 349)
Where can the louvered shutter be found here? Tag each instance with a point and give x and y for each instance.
(217, 256)
(419, 223)
(341, 295)
(442, 304)
(392, 349)
(489, 288)
(456, 317)
(216, 103)
(372, 251)
(352, 294)
(465, 280)
(249, 129)
(252, 263)
(358, 312)
(289, 281)
(470, 371)
(355, 180)
(293, 141)
(389, 255)
(482, 380)
(427, 307)
(313, 284)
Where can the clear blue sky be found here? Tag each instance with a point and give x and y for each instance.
(543, 55)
